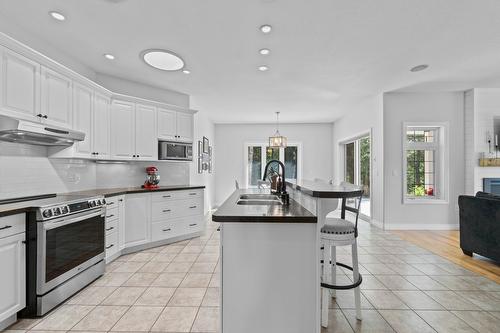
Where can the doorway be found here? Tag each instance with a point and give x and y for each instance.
(357, 169)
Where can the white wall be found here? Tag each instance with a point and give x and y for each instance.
(230, 140)
(422, 107)
(361, 118)
(203, 126)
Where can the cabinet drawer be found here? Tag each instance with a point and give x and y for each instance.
(111, 213)
(12, 224)
(111, 243)
(112, 202)
(191, 225)
(111, 226)
(177, 195)
(176, 208)
(165, 230)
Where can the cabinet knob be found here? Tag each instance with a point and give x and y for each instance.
(39, 115)
(45, 116)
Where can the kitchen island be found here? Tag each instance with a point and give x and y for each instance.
(270, 259)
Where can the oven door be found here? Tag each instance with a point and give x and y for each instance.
(67, 246)
(175, 151)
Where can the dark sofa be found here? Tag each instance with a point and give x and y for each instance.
(480, 225)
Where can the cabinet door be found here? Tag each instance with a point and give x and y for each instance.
(56, 98)
(13, 277)
(167, 124)
(146, 143)
(101, 126)
(184, 127)
(20, 86)
(122, 130)
(83, 100)
(137, 219)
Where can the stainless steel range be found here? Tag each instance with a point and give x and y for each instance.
(65, 249)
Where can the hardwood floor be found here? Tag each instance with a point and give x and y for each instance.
(447, 244)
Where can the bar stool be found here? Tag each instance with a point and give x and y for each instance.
(340, 232)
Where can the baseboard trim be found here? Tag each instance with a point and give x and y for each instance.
(377, 223)
(420, 226)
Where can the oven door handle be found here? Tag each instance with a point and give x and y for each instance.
(53, 225)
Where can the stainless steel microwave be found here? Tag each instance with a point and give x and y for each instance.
(178, 151)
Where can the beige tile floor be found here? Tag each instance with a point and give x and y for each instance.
(175, 288)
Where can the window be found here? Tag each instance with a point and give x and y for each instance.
(424, 163)
(257, 155)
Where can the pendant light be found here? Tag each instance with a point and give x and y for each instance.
(277, 141)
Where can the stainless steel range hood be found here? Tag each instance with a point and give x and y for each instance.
(23, 131)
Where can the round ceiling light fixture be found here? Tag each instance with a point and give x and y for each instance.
(264, 51)
(162, 59)
(419, 68)
(57, 16)
(266, 28)
(109, 56)
(263, 68)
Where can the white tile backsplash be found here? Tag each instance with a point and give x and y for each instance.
(25, 170)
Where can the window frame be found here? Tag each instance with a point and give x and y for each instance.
(441, 161)
(264, 146)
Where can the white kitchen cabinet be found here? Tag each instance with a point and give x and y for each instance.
(122, 127)
(137, 219)
(13, 263)
(175, 126)
(20, 86)
(167, 124)
(101, 126)
(184, 126)
(83, 105)
(56, 98)
(146, 143)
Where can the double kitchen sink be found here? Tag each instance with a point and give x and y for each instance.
(259, 199)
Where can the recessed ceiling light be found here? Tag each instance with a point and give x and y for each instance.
(263, 68)
(109, 56)
(266, 28)
(419, 68)
(264, 51)
(186, 71)
(57, 16)
(162, 59)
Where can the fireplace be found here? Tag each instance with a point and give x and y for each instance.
(491, 185)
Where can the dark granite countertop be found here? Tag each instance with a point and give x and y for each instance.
(325, 190)
(229, 211)
(29, 205)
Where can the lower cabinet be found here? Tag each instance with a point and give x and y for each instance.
(13, 263)
(137, 219)
(115, 222)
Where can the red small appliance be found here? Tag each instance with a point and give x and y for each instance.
(152, 178)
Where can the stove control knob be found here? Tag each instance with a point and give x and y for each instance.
(91, 203)
(99, 202)
(47, 213)
(57, 211)
(65, 210)
(103, 201)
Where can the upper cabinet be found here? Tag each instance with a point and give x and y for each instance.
(20, 85)
(82, 114)
(174, 125)
(146, 143)
(56, 98)
(101, 126)
(122, 127)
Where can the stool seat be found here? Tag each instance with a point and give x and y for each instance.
(338, 227)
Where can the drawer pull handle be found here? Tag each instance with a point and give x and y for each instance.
(111, 203)
(167, 229)
(167, 196)
(6, 227)
(166, 210)
(108, 247)
(192, 193)
(108, 216)
(192, 225)
(109, 229)
(192, 207)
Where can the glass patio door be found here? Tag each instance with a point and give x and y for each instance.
(357, 169)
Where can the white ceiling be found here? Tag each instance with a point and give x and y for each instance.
(326, 54)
